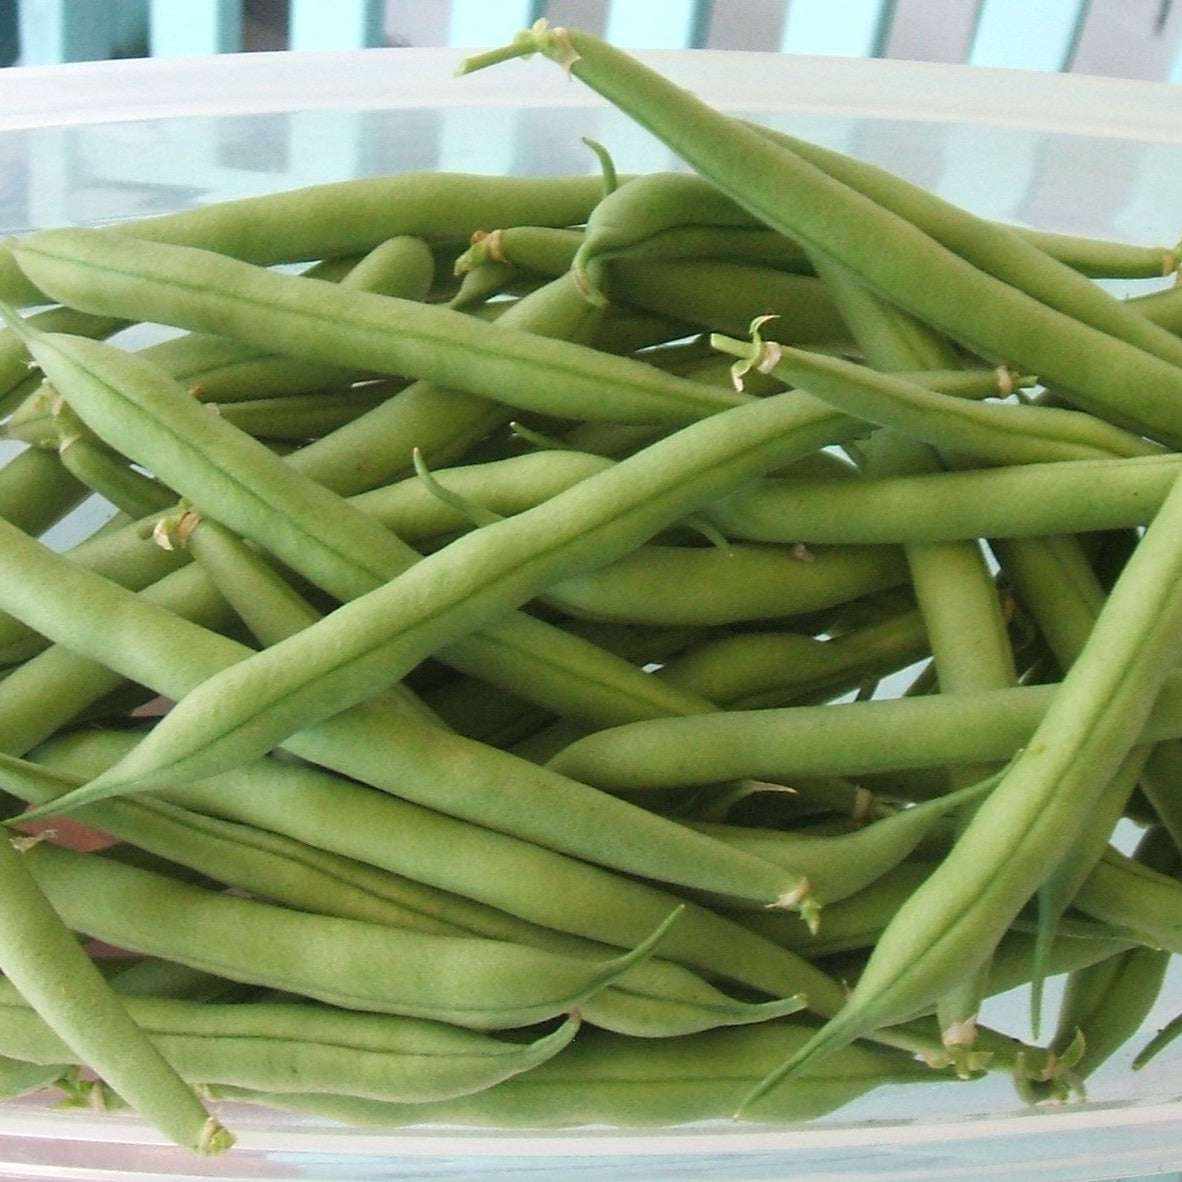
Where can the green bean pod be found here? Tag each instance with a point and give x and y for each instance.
(465, 981)
(841, 866)
(606, 1079)
(55, 976)
(109, 475)
(284, 1046)
(293, 417)
(767, 669)
(1126, 894)
(290, 314)
(36, 491)
(1108, 1003)
(998, 433)
(350, 217)
(673, 206)
(684, 586)
(1025, 501)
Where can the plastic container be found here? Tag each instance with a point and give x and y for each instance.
(105, 141)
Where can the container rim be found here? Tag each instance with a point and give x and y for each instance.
(388, 79)
(292, 1134)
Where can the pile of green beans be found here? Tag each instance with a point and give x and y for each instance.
(593, 619)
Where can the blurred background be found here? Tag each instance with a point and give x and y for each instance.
(1115, 38)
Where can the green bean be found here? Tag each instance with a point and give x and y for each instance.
(505, 486)
(994, 316)
(295, 417)
(838, 867)
(107, 473)
(286, 1046)
(683, 586)
(1158, 1043)
(14, 357)
(350, 217)
(674, 206)
(1126, 894)
(1162, 307)
(123, 555)
(475, 983)
(994, 432)
(605, 1079)
(307, 318)
(996, 249)
(718, 295)
(760, 669)
(552, 251)
(1029, 500)
(36, 491)
(56, 977)
(1036, 813)
(218, 370)
(151, 977)
(847, 740)
(1100, 259)
(1107, 1003)
(480, 284)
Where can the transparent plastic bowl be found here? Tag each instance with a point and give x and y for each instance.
(106, 141)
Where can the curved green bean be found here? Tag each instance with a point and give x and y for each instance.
(998, 433)
(308, 318)
(53, 973)
(349, 217)
(287, 1046)
(476, 983)
(601, 1077)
